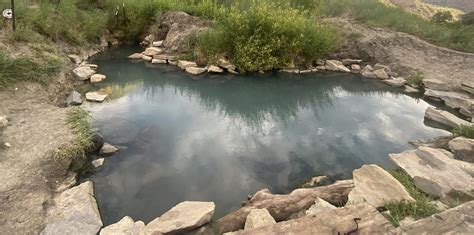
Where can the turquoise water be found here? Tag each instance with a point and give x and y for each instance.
(221, 137)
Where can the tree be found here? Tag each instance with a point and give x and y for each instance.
(442, 17)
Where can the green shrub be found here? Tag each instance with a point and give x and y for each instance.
(468, 19)
(416, 79)
(464, 130)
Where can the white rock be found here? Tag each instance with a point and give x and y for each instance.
(151, 51)
(108, 150)
(126, 226)
(98, 162)
(183, 217)
(454, 100)
(319, 206)
(147, 58)
(225, 64)
(445, 118)
(463, 149)
(97, 78)
(290, 71)
(381, 74)
(435, 171)
(321, 67)
(83, 73)
(195, 70)
(335, 65)
(409, 89)
(158, 43)
(8, 145)
(214, 69)
(136, 56)
(158, 61)
(75, 212)
(306, 71)
(96, 96)
(377, 187)
(3, 122)
(74, 98)
(259, 218)
(397, 82)
(183, 64)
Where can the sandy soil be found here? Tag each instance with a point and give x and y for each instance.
(29, 176)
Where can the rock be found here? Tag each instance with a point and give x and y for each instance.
(458, 220)
(214, 69)
(348, 62)
(225, 64)
(319, 206)
(136, 56)
(98, 162)
(340, 220)
(454, 100)
(434, 84)
(441, 142)
(259, 218)
(148, 40)
(108, 150)
(384, 67)
(335, 65)
(356, 68)
(151, 51)
(406, 221)
(97, 78)
(463, 149)
(98, 142)
(183, 217)
(435, 171)
(381, 74)
(3, 122)
(195, 70)
(158, 61)
(74, 98)
(164, 57)
(445, 118)
(83, 73)
(315, 181)
(92, 66)
(158, 43)
(321, 67)
(307, 71)
(178, 26)
(183, 64)
(96, 96)
(409, 89)
(147, 58)
(397, 82)
(7, 145)
(126, 226)
(75, 58)
(75, 212)
(290, 71)
(468, 87)
(377, 187)
(368, 71)
(320, 62)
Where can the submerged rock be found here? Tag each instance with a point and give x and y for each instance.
(75, 98)
(126, 226)
(96, 96)
(96, 78)
(75, 212)
(83, 73)
(319, 206)
(435, 171)
(195, 70)
(108, 150)
(259, 218)
(183, 217)
(377, 187)
(463, 149)
(445, 118)
(335, 65)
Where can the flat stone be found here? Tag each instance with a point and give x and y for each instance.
(226, 64)
(457, 220)
(96, 96)
(321, 67)
(157, 43)
(136, 56)
(92, 66)
(454, 100)
(409, 89)
(377, 187)
(158, 61)
(306, 71)
(183, 64)
(356, 67)
(335, 65)
(147, 58)
(434, 84)
(183, 217)
(164, 57)
(75, 212)
(96, 78)
(397, 82)
(98, 162)
(435, 171)
(445, 118)
(126, 226)
(348, 62)
(384, 67)
(296, 71)
(83, 73)
(195, 70)
(74, 98)
(214, 69)
(463, 149)
(108, 150)
(468, 87)
(331, 222)
(319, 206)
(259, 218)
(381, 74)
(3, 122)
(151, 51)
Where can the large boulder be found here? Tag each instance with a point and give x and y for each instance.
(377, 187)
(435, 171)
(185, 216)
(458, 220)
(83, 73)
(75, 212)
(259, 218)
(126, 226)
(336, 65)
(319, 206)
(344, 220)
(444, 118)
(463, 149)
(177, 27)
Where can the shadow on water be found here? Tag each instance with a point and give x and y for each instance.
(221, 137)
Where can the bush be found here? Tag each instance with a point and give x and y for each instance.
(442, 17)
(464, 130)
(416, 79)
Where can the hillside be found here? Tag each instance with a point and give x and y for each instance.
(422, 8)
(464, 5)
